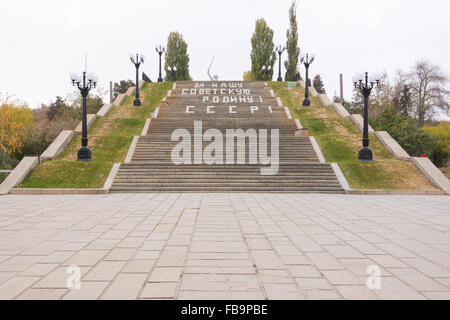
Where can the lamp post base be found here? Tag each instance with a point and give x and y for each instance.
(137, 102)
(84, 154)
(365, 155)
(306, 102)
(160, 80)
(280, 79)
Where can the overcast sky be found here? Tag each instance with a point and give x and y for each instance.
(42, 41)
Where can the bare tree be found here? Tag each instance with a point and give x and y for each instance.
(430, 94)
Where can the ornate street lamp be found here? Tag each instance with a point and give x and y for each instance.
(160, 51)
(280, 50)
(137, 61)
(84, 83)
(365, 84)
(266, 71)
(307, 61)
(172, 71)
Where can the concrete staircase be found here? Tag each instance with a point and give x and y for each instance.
(252, 107)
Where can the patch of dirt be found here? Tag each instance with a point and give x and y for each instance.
(446, 172)
(408, 176)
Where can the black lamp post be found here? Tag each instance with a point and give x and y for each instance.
(84, 83)
(172, 71)
(160, 51)
(137, 61)
(266, 71)
(307, 61)
(280, 50)
(365, 84)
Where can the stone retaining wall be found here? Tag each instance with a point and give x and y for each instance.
(392, 146)
(432, 173)
(324, 100)
(58, 145)
(18, 174)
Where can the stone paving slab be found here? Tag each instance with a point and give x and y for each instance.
(224, 246)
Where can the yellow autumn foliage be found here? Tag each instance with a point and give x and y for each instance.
(14, 121)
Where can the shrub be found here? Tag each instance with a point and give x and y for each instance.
(404, 130)
(441, 151)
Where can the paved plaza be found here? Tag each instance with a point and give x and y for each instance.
(224, 246)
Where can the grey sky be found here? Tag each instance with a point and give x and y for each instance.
(42, 41)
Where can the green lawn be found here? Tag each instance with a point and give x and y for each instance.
(340, 142)
(109, 140)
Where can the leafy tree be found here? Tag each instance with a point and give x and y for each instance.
(57, 108)
(404, 130)
(405, 101)
(318, 84)
(263, 53)
(428, 84)
(247, 76)
(176, 56)
(441, 152)
(121, 87)
(292, 45)
(14, 120)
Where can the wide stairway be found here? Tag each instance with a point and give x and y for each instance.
(222, 106)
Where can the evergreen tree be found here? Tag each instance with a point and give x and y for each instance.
(263, 53)
(405, 101)
(57, 108)
(292, 45)
(176, 56)
(318, 84)
(121, 87)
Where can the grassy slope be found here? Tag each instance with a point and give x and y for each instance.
(340, 142)
(109, 140)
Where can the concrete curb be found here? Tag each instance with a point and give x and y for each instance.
(90, 121)
(272, 93)
(432, 173)
(58, 191)
(104, 110)
(58, 145)
(392, 146)
(156, 112)
(302, 84)
(312, 92)
(280, 104)
(146, 127)
(288, 112)
(324, 100)
(18, 174)
(299, 124)
(130, 91)
(131, 150)
(359, 122)
(317, 149)
(396, 192)
(119, 99)
(340, 110)
(112, 175)
(340, 176)
(174, 86)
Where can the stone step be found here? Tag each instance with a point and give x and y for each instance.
(265, 189)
